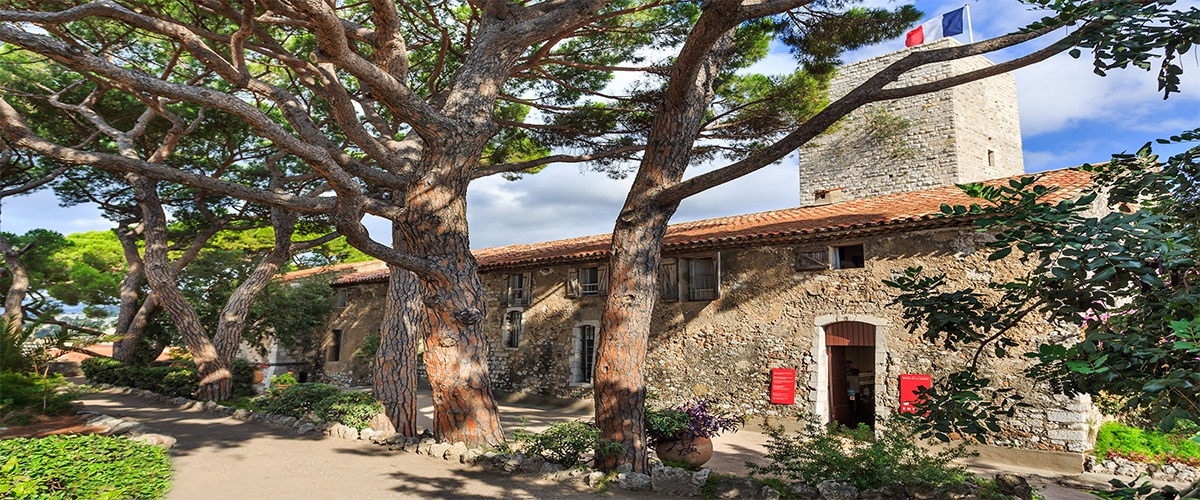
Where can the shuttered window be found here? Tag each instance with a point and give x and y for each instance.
(518, 290)
(812, 260)
(513, 325)
(668, 280)
(849, 257)
(587, 281)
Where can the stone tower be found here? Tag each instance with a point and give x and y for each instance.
(963, 134)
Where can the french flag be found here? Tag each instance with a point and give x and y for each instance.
(948, 24)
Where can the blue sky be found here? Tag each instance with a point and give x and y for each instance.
(1068, 116)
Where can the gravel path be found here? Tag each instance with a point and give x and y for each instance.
(219, 457)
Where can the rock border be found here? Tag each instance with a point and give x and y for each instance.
(1173, 472)
(134, 431)
(662, 479)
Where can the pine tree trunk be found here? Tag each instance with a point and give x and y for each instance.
(451, 318)
(18, 287)
(216, 377)
(620, 385)
(233, 316)
(395, 381)
(126, 346)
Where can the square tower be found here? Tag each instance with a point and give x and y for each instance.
(962, 134)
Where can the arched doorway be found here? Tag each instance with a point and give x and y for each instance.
(851, 361)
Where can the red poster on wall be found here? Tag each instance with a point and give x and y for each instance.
(909, 383)
(783, 386)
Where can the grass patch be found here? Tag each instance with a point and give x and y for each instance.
(91, 466)
(1141, 445)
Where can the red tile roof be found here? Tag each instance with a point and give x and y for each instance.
(353, 267)
(878, 213)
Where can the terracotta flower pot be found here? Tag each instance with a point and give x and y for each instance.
(694, 452)
(258, 376)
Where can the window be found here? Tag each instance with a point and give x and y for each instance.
(518, 289)
(991, 158)
(513, 324)
(698, 278)
(584, 365)
(587, 281)
(812, 260)
(342, 298)
(702, 279)
(335, 348)
(848, 257)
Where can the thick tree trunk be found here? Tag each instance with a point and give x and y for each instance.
(125, 347)
(452, 317)
(233, 315)
(620, 385)
(19, 286)
(395, 380)
(216, 377)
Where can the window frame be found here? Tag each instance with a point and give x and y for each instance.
(343, 298)
(335, 347)
(836, 260)
(507, 336)
(578, 376)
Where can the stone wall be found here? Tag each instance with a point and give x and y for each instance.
(768, 315)
(919, 142)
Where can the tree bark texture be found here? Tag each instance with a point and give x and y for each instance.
(19, 286)
(620, 385)
(233, 316)
(128, 309)
(395, 380)
(216, 377)
(451, 316)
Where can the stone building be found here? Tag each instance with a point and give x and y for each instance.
(800, 288)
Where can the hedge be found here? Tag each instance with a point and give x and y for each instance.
(178, 378)
(91, 466)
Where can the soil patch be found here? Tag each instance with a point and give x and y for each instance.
(45, 425)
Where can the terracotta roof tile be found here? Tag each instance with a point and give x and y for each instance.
(775, 225)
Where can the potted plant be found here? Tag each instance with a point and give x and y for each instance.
(684, 434)
(283, 380)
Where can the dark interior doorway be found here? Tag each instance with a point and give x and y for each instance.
(851, 355)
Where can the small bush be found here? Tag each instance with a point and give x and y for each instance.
(565, 443)
(25, 395)
(892, 459)
(355, 409)
(297, 400)
(1122, 440)
(176, 379)
(283, 379)
(89, 466)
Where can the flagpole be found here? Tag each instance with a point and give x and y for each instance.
(970, 33)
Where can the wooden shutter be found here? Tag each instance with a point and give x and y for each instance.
(527, 282)
(506, 298)
(573, 288)
(668, 279)
(602, 280)
(812, 260)
(717, 276)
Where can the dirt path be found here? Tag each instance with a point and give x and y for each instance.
(219, 457)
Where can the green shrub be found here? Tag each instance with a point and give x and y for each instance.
(24, 395)
(283, 379)
(83, 467)
(858, 457)
(177, 379)
(355, 409)
(297, 400)
(1126, 441)
(564, 443)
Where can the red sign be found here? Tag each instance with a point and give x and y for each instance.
(909, 383)
(783, 386)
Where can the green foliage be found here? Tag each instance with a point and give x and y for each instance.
(893, 458)
(23, 395)
(355, 409)
(177, 378)
(1127, 278)
(283, 379)
(91, 466)
(1126, 441)
(298, 400)
(664, 424)
(291, 314)
(565, 443)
